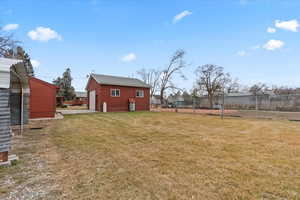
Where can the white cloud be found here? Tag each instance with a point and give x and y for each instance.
(43, 34)
(291, 25)
(10, 27)
(35, 63)
(129, 57)
(241, 53)
(271, 30)
(272, 45)
(181, 15)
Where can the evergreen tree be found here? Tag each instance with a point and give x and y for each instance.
(64, 83)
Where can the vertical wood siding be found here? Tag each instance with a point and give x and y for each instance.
(42, 99)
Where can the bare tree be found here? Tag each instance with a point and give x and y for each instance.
(6, 43)
(233, 86)
(212, 79)
(150, 77)
(283, 90)
(258, 89)
(175, 66)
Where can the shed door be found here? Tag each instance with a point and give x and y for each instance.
(92, 100)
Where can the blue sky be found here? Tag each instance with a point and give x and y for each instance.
(254, 40)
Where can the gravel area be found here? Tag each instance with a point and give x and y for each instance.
(32, 176)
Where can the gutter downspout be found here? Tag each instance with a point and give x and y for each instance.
(22, 110)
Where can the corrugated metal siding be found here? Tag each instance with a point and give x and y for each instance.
(4, 79)
(5, 135)
(15, 108)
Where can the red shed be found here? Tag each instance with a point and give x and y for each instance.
(113, 93)
(42, 99)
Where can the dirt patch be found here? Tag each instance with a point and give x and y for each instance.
(32, 176)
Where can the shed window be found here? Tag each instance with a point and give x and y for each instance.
(140, 93)
(115, 92)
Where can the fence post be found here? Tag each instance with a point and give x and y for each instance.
(256, 102)
(223, 105)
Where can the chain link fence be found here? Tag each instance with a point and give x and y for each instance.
(290, 103)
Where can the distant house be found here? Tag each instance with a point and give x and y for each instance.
(176, 100)
(113, 93)
(81, 98)
(81, 95)
(42, 98)
(155, 100)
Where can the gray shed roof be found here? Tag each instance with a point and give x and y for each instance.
(120, 81)
(5, 65)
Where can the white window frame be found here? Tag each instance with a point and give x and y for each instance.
(111, 92)
(138, 91)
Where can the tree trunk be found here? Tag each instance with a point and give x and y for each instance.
(211, 101)
(161, 97)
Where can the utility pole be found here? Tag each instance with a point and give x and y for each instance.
(256, 102)
(223, 104)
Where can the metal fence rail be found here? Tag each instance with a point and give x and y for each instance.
(240, 102)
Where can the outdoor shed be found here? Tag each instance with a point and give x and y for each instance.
(14, 101)
(114, 94)
(42, 98)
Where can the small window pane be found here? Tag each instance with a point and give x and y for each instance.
(139, 93)
(115, 92)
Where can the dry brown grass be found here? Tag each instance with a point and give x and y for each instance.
(175, 156)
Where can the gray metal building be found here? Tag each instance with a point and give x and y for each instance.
(14, 101)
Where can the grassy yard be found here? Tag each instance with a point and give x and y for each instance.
(173, 156)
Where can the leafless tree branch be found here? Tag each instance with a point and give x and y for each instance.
(150, 77)
(6, 44)
(175, 66)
